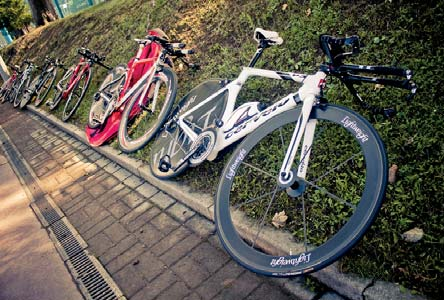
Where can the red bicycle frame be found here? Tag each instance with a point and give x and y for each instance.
(81, 67)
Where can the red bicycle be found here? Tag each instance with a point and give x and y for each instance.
(140, 95)
(6, 88)
(75, 83)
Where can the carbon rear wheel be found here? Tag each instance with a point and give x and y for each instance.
(290, 230)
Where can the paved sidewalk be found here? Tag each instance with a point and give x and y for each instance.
(153, 246)
(30, 267)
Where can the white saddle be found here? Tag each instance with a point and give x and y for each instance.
(272, 37)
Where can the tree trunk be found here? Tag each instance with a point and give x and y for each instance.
(42, 11)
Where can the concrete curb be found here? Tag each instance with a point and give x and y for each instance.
(348, 285)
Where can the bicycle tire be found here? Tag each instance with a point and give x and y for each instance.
(24, 84)
(97, 106)
(319, 228)
(43, 92)
(134, 118)
(58, 95)
(29, 93)
(68, 111)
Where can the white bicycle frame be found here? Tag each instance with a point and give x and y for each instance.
(246, 118)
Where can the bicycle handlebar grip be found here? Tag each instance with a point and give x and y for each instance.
(186, 51)
(178, 45)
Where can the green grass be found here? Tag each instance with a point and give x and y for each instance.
(402, 33)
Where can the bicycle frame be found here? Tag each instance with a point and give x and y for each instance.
(125, 94)
(82, 66)
(246, 118)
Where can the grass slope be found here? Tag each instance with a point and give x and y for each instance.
(403, 33)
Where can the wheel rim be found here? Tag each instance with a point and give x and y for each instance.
(313, 235)
(142, 119)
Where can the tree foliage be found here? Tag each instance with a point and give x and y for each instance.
(14, 14)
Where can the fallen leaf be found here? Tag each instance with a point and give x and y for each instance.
(308, 12)
(279, 219)
(392, 173)
(284, 6)
(378, 86)
(413, 235)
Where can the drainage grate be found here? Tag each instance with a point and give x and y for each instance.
(47, 211)
(90, 274)
(68, 242)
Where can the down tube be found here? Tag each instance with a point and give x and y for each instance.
(226, 137)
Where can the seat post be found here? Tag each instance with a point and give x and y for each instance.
(256, 56)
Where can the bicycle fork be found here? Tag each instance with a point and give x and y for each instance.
(308, 92)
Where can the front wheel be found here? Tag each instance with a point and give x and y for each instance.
(44, 87)
(289, 230)
(23, 85)
(76, 96)
(142, 118)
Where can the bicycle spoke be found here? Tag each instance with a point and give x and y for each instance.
(261, 225)
(259, 170)
(337, 167)
(333, 196)
(254, 199)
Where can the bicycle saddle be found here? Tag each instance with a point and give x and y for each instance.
(272, 37)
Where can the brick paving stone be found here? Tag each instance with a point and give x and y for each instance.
(96, 190)
(129, 280)
(147, 190)
(118, 209)
(177, 291)
(133, 181)
(78, 218)
(122, 174)
(241, 287)
(127, 257)
(92, 221)
(118, 249)
(91, 168)
(116, 232)
(267, 291)
(102, 162)
(80, 199)
(201, 226)
(98, 227)
(165, 223)
(191, 272)
(162, 200)
(149, 235)
(113, 195)
(74, 190)
(100, 244)
(141, 219)
(149, 265)
(209, 257)
(87, 152)
(94, 157)
(180, 212)
(170, 240)
(222, 278)
(180, 249)
(158, 285)
(112, 167)
(133, 199)
(110, 182)
(142, 208)
(193, 296)
(40, 171)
